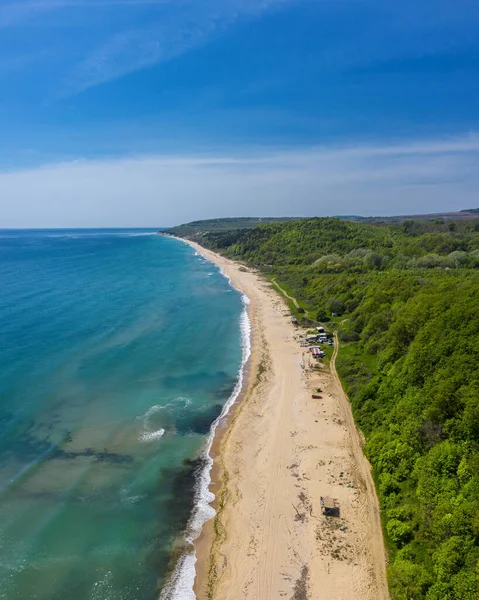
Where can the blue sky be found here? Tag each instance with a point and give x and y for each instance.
(308, 106)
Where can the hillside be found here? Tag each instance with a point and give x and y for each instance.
(409, 298)
(460, 215)
(196, 229)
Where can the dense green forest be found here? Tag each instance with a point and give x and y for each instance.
(407, 300)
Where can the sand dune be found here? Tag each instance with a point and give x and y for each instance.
(280, 452)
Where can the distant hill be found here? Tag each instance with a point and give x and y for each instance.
(197, 229)
(461, 215)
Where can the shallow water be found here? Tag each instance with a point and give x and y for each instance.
(118, 351)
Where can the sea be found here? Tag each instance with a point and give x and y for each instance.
(120, 351)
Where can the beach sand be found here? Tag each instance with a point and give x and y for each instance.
(280, 452)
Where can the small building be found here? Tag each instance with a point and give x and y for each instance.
(320, 329)
(311, 338)
(316, 352)
(328, 506)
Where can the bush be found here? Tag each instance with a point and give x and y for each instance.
(399, 532)
(408, 581)
(388, 484)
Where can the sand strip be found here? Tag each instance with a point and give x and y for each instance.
(281, 451)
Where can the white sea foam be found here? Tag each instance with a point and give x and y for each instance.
(151, 411)
(180, 585)
(130, 500)
(157, 407)
(151, 436)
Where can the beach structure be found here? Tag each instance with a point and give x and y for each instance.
(320, 329)
(328, 506)
(316, 352)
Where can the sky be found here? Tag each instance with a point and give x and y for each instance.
(156, 112)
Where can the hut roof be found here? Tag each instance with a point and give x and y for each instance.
(327, 502)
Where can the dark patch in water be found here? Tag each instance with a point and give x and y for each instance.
(104, 456)
(199, 422)
(26, 446)
(179, 504)
(183, 491)
(224, 391)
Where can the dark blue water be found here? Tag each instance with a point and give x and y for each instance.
(117, 352)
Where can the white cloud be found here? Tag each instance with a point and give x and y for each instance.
(414, 177)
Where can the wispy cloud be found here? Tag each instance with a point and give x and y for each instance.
(419, 176)
(155, 31)
(176, 31)
(175, 27)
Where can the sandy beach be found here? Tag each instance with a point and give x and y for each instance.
(280, 452)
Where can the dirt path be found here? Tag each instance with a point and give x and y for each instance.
(292, 298)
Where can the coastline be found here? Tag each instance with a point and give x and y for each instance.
(274, 453)
(182, 583)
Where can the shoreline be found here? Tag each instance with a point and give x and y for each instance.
(203, 543)
(274, 453)
(182, 584)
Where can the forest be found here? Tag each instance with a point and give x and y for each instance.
(405, 300)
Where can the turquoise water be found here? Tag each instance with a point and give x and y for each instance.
(118, 350)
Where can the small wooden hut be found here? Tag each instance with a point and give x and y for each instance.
(328, 506)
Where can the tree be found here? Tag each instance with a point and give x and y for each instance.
(335, 306)
(399, 532)
(408, 581)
